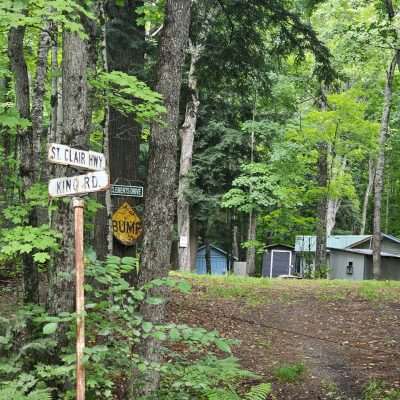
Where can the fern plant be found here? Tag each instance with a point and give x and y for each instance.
(12, 392)
(259, 392)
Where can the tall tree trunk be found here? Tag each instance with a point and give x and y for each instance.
(52, 135)
(337, 170)
(39, 89)
(252, 227)
(26, 148)
(125, 52)
(251, 251)
(161, 177)
(103, 237)
(193, 243)
(388, 190)
(75, 117)
(207, 256)
(235, 241)
(5, 149)
(380, 166)
(187, 138)
(331, 212)
(321, 239)
(368, 190)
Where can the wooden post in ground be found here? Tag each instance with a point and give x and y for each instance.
(78, 205)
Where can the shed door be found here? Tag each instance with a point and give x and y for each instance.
(280, 262)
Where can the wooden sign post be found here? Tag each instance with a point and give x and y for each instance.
(73, 186)
(78, 205)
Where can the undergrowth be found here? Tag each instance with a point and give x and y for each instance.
(35, 365)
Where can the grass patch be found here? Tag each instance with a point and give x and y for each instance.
(378, 390)
(256, 291)
(289, 373)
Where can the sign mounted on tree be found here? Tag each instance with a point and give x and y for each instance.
(127, 225)
(126, 191)
(80, 184)
(65, 155)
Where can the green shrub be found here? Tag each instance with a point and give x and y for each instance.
(114, 328)
(289, 372)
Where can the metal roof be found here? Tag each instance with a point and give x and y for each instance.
(368, 252)
(308, 243)
(279, 244)
(217, 249)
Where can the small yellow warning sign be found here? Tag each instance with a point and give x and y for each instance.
(127, 225)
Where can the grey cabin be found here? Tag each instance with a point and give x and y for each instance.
(350, 256)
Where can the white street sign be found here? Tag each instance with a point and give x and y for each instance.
(126, 191)
(81, 184)
(61, 154)
(183, 241)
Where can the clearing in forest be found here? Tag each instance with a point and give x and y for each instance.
(311, 339)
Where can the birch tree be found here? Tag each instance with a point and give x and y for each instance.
(379, 169)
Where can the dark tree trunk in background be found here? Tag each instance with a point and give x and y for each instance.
(368, 190)
(125, 52)
(323, 183)
(39, 90)
(207, 256)
(251, 251)
(321, 239)
(160, 199)
(75, 133)
(26, 149)
(380, 166)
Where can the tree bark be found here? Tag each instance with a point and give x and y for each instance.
(321, 239)
(125, 52)
(52, 135)
(388, 190)
(337, 170)
(76, 119)
(187, 138)
(26, 149)
(251, 251)
(368, 190)
(103, 237)
(39, 90)
(379, 170)
(235, 242)
(332, 210)
(207, 256)
(161, 177)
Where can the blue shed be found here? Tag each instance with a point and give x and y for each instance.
(219, 260)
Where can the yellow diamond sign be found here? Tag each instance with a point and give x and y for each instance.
(127, 226)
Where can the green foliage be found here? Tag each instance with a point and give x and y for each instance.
(13, 392)
(289, 372)
(151, 14)
(378, 390)
(33, 13)
(113, 329)
(11, 120)
(259, 392)
(253, 190)
(22, 238)
(129, 95)
(38, 241)
(208, 378)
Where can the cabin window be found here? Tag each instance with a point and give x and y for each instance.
(349, 268)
